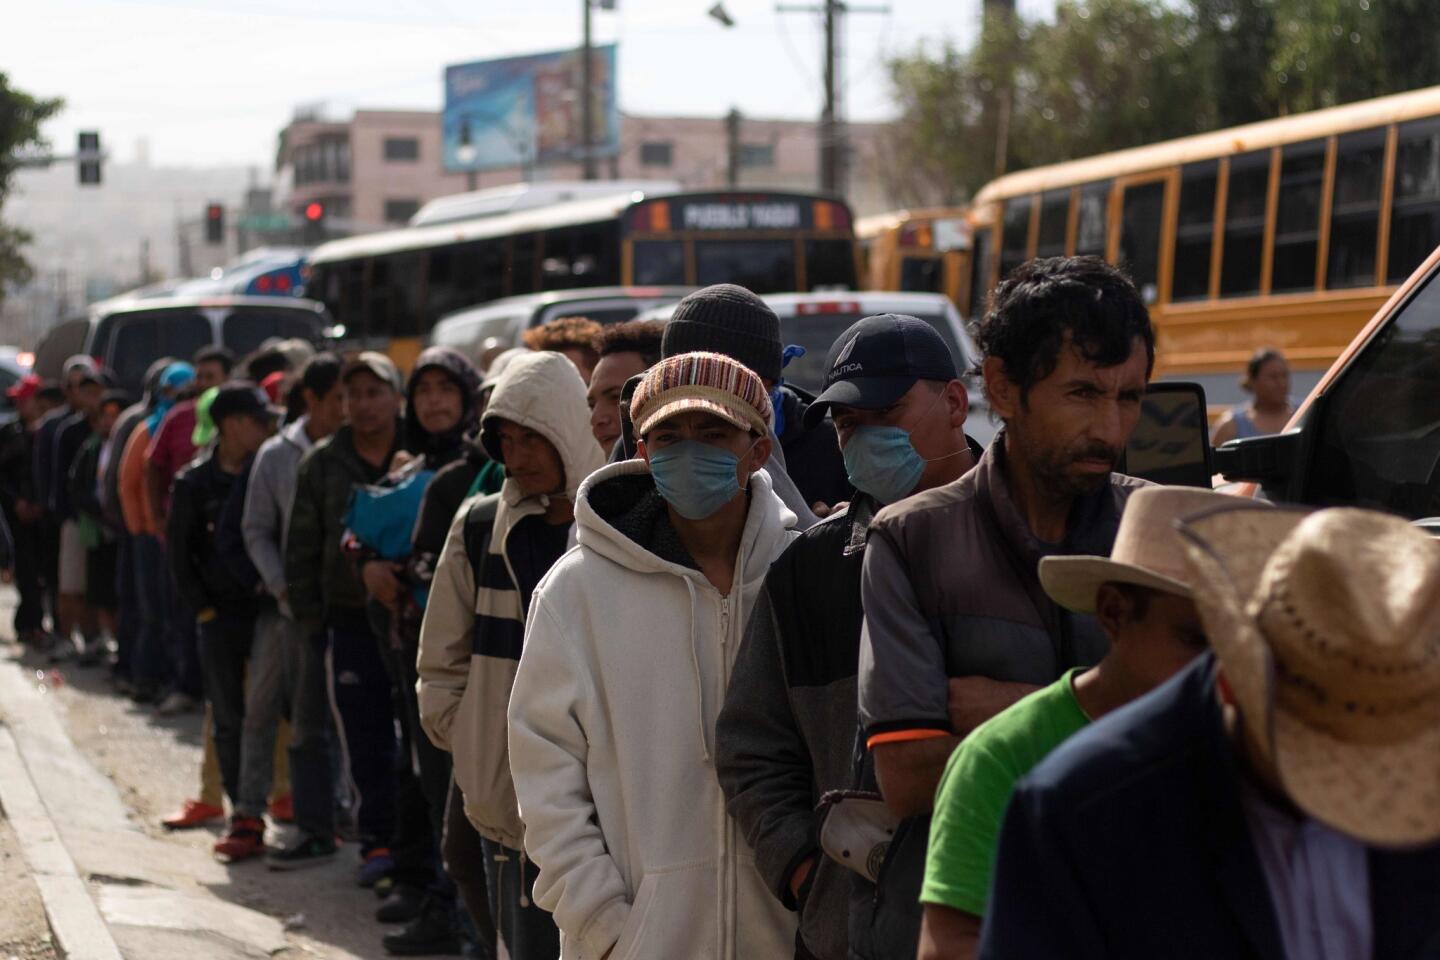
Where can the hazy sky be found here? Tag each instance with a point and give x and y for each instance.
(209, 82)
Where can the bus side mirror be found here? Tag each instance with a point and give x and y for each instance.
(1268, 461)
(1171, 441)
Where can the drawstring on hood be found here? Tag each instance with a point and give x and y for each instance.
(445, 446)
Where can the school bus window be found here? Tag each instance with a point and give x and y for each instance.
(830, 263)
(754, 264)
(1092, 221)
(979, 273)
(1415, 212)
(1014, 235)
(1140, 236)
(579, 257)
(524, 263)
(1355, 209)
(922, 274)
(1195, 231)
(659, 262)
(1297, 216)
(1244, 224)
(1054, 218)
(393, 300)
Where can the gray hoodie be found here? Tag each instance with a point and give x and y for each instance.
(267, 505)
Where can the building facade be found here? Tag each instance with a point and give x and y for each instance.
(372, 170)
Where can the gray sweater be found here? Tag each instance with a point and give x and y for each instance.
(268, 502)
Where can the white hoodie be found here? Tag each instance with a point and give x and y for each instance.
(612, 741)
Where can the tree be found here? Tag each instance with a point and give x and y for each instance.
(20, 118)
(1104, 74)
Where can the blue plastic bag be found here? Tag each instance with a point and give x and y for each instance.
(383, 517)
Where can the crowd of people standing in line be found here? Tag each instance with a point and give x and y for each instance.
(626, 648)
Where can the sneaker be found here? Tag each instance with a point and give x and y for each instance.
(145, 693)
(377, 864)
(244, 839)
(193, 813)
(405, 904)
(308, 852)
(282, 809)
(433, 933)
(176, 703)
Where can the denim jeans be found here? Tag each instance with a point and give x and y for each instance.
(464, 856)
(360, 689)
(224, 648)
(151, 662)
(312, 731)
(30, 614)
(267, 701)
(529, 931)
(127, 615)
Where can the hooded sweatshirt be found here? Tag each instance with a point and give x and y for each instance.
(439, 449)
(628, 652)
(268, 501)
(471, 635)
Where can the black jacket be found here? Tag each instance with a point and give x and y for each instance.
(203, 576)
(812, 456)
(1129, 841)
(786, 734)
(71, 435)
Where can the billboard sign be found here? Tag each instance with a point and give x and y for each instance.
(525, 111)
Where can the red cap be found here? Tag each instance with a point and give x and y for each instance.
(271, 385)
(24, 388)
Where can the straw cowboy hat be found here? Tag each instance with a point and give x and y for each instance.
(1148, 550)
(1327, 628)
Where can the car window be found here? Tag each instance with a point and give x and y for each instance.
(817, 332)
(244, 330)
(606, 315)
(1378, 433)
(136, 339)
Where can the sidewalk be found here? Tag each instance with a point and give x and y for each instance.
(85, 776)
(109, 890)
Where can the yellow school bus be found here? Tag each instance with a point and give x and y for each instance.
(1288, 233)
(920, 251)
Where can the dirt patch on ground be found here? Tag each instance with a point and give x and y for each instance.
(24, 933)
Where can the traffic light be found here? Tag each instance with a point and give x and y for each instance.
(214, 224)
(314, 222)
(87, 158)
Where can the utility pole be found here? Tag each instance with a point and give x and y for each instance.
(587, 82)
(834, 146)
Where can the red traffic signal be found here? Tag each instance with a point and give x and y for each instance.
(214, 223)
(314, 211)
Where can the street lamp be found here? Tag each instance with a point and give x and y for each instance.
(720, 15)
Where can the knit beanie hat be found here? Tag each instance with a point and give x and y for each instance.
(730, 320)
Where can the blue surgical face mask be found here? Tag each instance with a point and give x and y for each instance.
(695, 478)
(882, 462)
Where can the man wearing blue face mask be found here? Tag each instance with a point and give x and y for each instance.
(629, 646)
(786, 735)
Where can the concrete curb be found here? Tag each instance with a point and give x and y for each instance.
(74, 918)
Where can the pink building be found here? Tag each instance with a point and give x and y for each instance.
(374, 169)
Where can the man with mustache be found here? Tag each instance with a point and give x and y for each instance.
(957, 625)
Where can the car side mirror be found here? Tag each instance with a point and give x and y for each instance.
(1268, 461)
(1171, 442)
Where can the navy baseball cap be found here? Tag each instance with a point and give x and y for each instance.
(873, 363)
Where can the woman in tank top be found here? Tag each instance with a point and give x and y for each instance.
(1267, 380)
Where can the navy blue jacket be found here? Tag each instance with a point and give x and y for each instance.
(1129, 842)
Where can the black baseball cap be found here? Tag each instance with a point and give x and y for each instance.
(873, 363)
(240, 398)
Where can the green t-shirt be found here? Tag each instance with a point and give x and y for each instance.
(978, 781)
